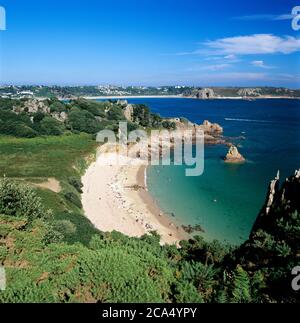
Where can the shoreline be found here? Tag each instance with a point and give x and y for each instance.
(123, 97)
(112, 203)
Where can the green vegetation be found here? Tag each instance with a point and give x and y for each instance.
(64, 158)
(29, 118)
(42, 266)
(61, 148)
(45, 156)
(143, 116)
(52, 253)
(20, 200)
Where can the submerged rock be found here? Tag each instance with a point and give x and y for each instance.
(233, 156)
(191, 229)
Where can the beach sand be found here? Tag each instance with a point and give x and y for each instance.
(115, 197)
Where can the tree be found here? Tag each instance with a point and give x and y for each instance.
(51, 127)
(83, 121)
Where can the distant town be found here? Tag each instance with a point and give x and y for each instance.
(69, 92)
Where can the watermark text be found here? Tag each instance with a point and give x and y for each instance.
(2, 18)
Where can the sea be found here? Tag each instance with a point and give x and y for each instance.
(226, 199)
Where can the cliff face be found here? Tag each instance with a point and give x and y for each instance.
(273, 248)
(206, 94)
(202, 93)
(285, 198)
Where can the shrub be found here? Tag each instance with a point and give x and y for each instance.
(51, 127)
(76, 183)
(65, 227)
(94, 107)
(187, 293)
(83, 121)
(73, 198)
(52, 234)
(116, 113)
(21, 200)
(56, 106)
(17, 129)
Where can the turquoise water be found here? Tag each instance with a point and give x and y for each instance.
(226, 199)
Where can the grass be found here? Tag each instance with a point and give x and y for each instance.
(34, 160)
(58, 157)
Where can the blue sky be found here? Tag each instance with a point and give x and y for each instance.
(143, 42)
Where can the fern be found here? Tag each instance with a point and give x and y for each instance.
(241, 286)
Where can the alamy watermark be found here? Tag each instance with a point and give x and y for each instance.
(157, 147)
(296, 18)
(2, 18)
(2, 279)
(296, 281)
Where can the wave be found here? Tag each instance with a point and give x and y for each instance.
(247, 120)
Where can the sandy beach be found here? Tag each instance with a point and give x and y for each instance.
(115, 197)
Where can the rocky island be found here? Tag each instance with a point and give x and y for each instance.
(233, 156)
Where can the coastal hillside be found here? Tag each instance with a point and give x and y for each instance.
(49, 145)
(29, 118)
(273, 247)
(41, 266)
(239, 92)
(73, 92)
(52, 252)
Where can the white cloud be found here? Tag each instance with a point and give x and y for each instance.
(216, 67)
(261, 64)
(284, 17)
(208, 68)
(230, 57)
(258, 63)
(265, 17)
(253, 44)
(233, 78)
(227, 58)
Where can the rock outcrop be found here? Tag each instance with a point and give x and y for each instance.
(60, 116)
(209, 127)
(233, 156)
(212, 131)
(201, 93)
(127, 109)
(128, 112)
(273, 189)
(32, 106)
(205, 93)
